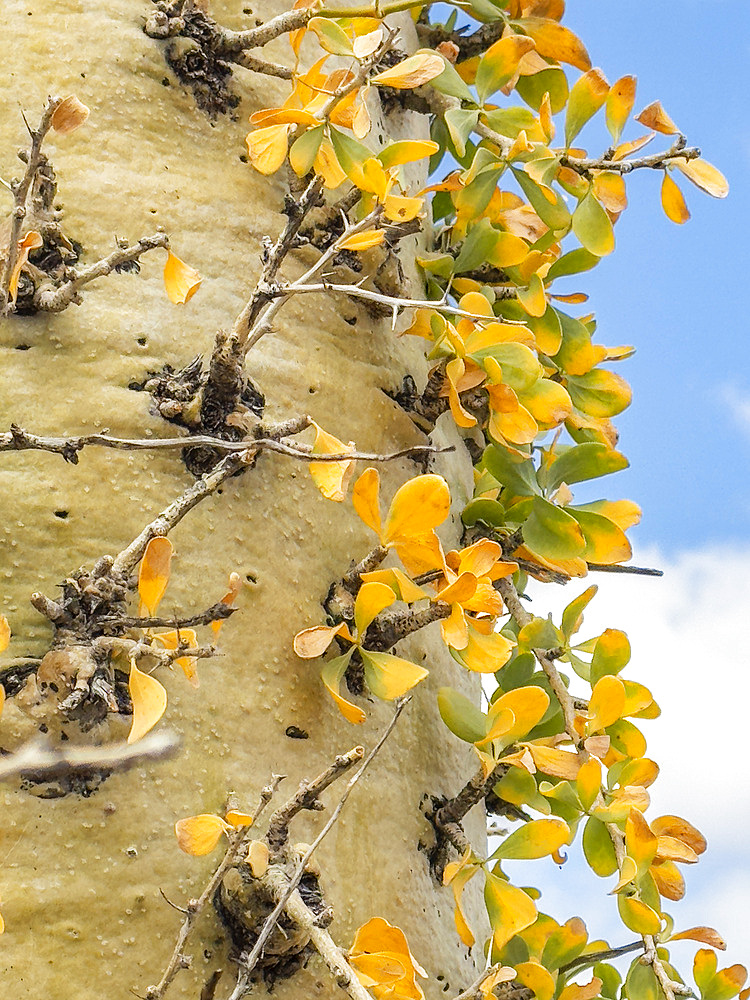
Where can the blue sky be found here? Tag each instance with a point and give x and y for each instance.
(678, 292)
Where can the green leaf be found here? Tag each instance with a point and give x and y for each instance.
(552, 81)
(450, 83)
(554, 214)
(573, 262)
(611, 980)
(473, 199)
(552, 533)
(461, 715)
(598, 848)
(584, 461)
(518, 475)
(510, 121)
(477, 247)
(350, 153)
(576, 355)
(521, 368)
(606, 542)
(592, 226)
(641, 983)
(460, 123)
(490, 512)
(587, 95)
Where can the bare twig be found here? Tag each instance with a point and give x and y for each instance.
(599, 956)
(655, 161)
(51, 299)
(43, 760)
(34, 160)
(249, 963)
(18, 439)
(307, 797)
(619, 568)
(194, 907)
(476, 789)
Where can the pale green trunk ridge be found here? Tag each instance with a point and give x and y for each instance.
(80, 877)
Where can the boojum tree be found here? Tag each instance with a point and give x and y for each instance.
(427, 163)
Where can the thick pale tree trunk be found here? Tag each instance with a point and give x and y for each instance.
(80, 874)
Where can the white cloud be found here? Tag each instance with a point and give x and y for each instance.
(688, 632)
(738, 404)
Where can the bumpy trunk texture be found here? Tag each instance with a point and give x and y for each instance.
(80, 874)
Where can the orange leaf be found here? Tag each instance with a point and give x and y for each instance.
(236, 818)
(31, 241)
(180, 280)
(229, 598)
(198, 835)
(69, 115)
(183, 637)
(153, 575)
(680, 829)
(655, 117)
(620, 102)
(4, 633)
(553, 41)
(149, 702)
(706, 935)
(672, 201)
(420, 68)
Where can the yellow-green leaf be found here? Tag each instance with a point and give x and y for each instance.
(587, 95)
(551, 532)
(500, 62)
(593, 227)
(535, 839)
(149, 702)
(598, 848)
(638, 916)
(331, 675)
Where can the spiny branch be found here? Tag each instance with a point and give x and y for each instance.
(34, 159)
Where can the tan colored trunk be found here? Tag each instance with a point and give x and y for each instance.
(80, 876)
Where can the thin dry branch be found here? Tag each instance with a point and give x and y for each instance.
(51, 299)
(655, 161)
(248, 963)
(178, 959)
(42, 760)
(34, 159)
(18, 439)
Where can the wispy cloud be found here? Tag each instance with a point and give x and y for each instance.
(737, 402)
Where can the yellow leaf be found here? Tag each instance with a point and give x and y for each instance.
(706, 935)
(672, 201)
(655, 117)
(588, 782)
(672, 849)
(282, 116)
(149, 702)
(420, 68)
(31, 241)
(399, 209)
(553, 41)
(331, 478)
(153, 574)
(587, 991)
(183, 637)
(2, 698)
(234, 584)
(420, 553)
(4, 633)
(606, 704)
(398, 581)
(312, 642)
(180, 280)
(528, 705)
(257, 858)
(362, 241)
(407, 151)
(389, 676)
(371, 600)
(366, 500)
(620, 102)
(485, 654)
(420, 505)
(460, 590)
(267, 147)
(557, 763)
(535, 977)
(533, 298)
(454, 371)
(641, 842)
(454, 629)
(510, 909)
(638, 916)
(236, 818)
(610, 191)
(198, 835)
(327, 165)
(628, 871)
(69, 115)
(456, 874)
(626, 148)
(704, 175)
